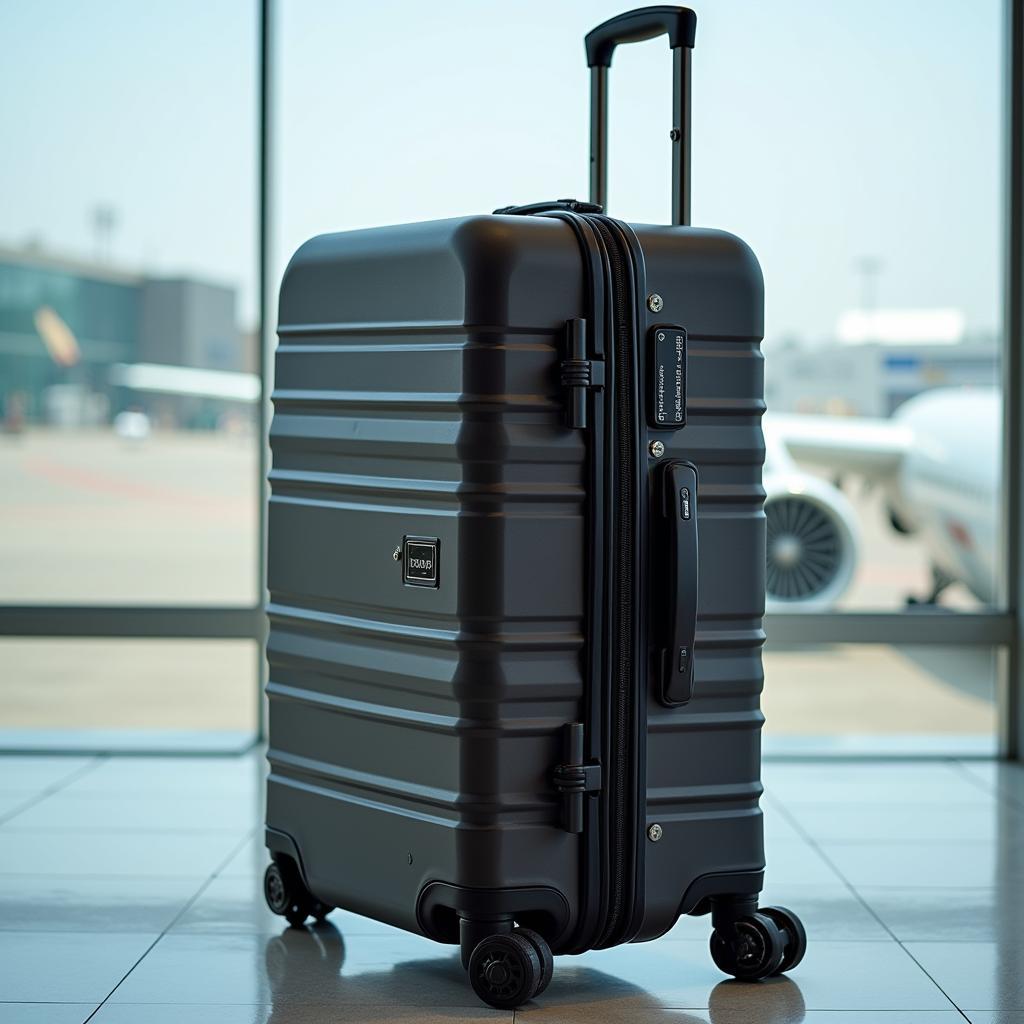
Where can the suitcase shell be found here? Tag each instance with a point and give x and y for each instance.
(414, 729)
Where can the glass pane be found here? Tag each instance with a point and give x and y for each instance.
(127, 309)
(127, 693)
(880, 699)
(856, 147)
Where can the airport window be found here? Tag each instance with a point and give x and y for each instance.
(130, 345)
(132, 694)
(127, 310)
(129, 387)
(884, 700)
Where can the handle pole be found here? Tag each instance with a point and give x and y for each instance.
(681, 133)
(599, 135)
(679, 24)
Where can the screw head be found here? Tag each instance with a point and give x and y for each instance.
(675, 134)
(655, 832)
(657, 449)
(397, 553)
(655, 303)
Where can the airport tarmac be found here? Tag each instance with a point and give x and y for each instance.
(87, 517)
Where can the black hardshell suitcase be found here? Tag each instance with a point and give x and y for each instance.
(505, 709)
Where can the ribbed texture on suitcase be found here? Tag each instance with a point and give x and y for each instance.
(413, 730)
(704, 759)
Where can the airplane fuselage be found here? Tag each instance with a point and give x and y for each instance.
(947, 487)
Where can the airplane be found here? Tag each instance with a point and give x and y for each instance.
(937, 461)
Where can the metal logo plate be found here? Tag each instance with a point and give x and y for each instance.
(420, 561)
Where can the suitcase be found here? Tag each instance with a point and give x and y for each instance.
(505, 708)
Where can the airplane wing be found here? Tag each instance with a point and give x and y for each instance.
(874, 447)
(229, 385)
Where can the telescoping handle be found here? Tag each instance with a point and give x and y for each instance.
(680, 25)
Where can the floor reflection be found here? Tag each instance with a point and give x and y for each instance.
(301, 960)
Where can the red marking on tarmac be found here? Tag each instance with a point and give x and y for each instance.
(104, 483)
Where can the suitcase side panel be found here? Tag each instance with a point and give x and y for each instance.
(413, 729)
(703, 759)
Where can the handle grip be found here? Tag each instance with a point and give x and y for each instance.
(679, 507)
(678, 23)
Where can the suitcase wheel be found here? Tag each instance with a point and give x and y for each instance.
(506, 970)
(287, 896)
(547, 961)
(793, 932)
(751, 948)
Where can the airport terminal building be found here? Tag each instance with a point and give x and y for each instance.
(64, 323)
(874, 378)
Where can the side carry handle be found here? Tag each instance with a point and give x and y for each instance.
(679, 507)
(680, 25)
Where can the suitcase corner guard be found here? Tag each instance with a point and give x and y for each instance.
(441, 905)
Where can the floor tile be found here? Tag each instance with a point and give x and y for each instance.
(250, 861)
(827, 911)
(73, 812)
(773, 1010)
(95, 870)
(976, 975)
(178, 1013)
(43, 903)
(833, 976)
(933, 782)
(27, 774)
(853, 822)
(952, 915)
(301, 966)
(71, 967)
(316, 966)
(796, 863)
(936, 864)
(236, 904)
(175, 775)
(45, 1013)
(11, 802)
(999, 777)
(137, 855)
(777, 826)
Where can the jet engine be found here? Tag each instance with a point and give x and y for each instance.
(813, 542)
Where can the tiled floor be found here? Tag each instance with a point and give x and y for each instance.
(130, 894)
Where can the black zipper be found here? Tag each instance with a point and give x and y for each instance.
(622, 579)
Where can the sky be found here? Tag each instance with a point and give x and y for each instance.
(826, 132)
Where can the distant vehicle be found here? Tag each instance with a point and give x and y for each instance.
(14, 413)
(937, 461)
(132, 425)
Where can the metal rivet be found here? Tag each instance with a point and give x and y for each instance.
(655, 303)
(675, 134)
(655, 832)
(397, 553)
(656, 448)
